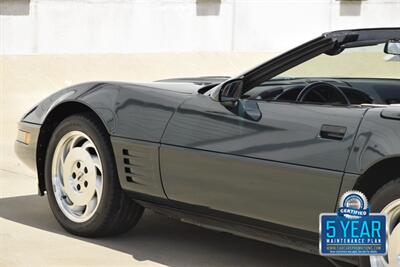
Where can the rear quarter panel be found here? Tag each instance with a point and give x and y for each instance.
(377, 138)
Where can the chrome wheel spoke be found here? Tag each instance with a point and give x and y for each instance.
(99, 185)
(76, 208)
(91, 205)
(86, 145)
(77, 176)
(61, 163)
(97, 163)
(72, 142)
(58, 187)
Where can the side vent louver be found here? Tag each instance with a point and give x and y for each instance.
(138, 167)
(129, 166)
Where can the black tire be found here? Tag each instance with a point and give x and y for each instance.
(386, 194)
(116, 212)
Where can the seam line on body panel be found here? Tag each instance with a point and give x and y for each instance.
(348, 157)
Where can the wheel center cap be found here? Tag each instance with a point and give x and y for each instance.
(79, 176)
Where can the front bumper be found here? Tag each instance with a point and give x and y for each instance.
(26, 143)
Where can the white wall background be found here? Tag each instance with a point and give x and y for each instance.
(140, 26)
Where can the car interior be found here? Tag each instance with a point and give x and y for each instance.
(382, 57)
(332, 91)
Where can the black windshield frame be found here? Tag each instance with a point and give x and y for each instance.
(332, 43)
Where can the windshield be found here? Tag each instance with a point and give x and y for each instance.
(359, 62)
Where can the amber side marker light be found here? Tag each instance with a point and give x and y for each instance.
(24, 137)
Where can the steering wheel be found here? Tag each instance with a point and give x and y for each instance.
(326, 92)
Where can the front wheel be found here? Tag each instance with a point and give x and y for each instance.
(387, 201)
(82, 182)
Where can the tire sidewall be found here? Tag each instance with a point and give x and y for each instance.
(85, 125)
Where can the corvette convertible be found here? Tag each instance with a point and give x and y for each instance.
(260, 155)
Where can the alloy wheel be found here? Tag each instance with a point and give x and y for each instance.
(77, 176)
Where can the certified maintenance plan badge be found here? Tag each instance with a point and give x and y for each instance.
(353, 231)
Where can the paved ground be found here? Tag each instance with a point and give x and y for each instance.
(30, 236)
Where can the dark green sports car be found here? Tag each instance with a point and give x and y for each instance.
(260, 155)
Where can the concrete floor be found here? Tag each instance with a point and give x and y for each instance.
(29, 234)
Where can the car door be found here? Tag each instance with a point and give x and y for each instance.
(285, 167)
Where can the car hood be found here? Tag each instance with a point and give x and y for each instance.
(201, 81)
(173, 91)
(177, 85)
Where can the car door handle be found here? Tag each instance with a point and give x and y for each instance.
(333, 132)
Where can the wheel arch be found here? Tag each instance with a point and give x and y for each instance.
(51, 121)
(377, 175)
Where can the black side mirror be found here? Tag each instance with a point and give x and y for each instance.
(392, 47)
(231, 91)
